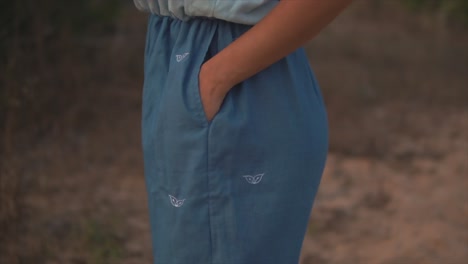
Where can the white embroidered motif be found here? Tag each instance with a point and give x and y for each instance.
(180, 57)
(253, 179)
(176, 202)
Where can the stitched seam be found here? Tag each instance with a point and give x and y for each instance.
(209, 191)
(210, 205)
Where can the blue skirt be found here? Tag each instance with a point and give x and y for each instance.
(237, 189)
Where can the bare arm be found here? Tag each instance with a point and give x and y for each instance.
(287, 27)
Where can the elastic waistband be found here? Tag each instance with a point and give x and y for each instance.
(186, 18)
(238, 11)
(223, 24)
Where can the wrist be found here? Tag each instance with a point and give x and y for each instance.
(212, 82)
(219, 75)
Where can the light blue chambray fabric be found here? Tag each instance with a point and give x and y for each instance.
(247, 12)
(237, 189)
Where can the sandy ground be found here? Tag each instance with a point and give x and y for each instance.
(409, 207)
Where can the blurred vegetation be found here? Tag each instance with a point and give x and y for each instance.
(101, 241)
(455, 10)
(48, 55)
(43, 44)
(37, 38)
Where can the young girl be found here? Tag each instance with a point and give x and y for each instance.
(234, 128)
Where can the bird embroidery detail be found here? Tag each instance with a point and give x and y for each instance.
(180, 57)
(253, 179)
(176, 202)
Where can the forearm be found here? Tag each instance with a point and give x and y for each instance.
(287, 27)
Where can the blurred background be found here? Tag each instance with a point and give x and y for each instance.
(394, 77)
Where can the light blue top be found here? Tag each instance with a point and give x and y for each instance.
(247, 12)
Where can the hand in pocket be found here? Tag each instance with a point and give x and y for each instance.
(212, 92)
